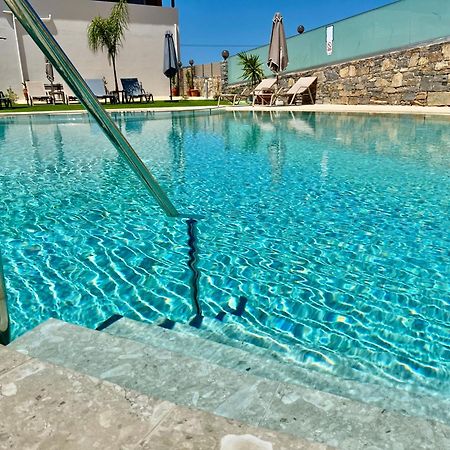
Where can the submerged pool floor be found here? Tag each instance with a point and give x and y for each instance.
(331, 229)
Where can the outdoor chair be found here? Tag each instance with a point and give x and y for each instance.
(98, 88)
(5, 101)
(69, 95)
(133, 89)
(305, 86)
(36, 92)
(234, 99)
(262, 94)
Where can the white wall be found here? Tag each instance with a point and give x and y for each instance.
(141, 55)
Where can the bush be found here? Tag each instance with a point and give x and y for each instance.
(12, 95)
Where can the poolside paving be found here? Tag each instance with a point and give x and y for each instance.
(365, 109)
(324, 108)
(48, 407)
(259, 402)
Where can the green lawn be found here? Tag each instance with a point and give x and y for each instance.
(75, 107)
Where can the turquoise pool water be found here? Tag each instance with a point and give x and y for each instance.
(333, 228)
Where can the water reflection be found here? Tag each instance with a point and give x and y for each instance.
(397, 136)
(176, 140)
(133, 125)
(302, 124)
(4, 124)
(252, 138)
(35, 145)
(324, 164)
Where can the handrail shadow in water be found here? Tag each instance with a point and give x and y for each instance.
(192, 264)
(5, 335)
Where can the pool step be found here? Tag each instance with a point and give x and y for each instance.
(208, 342)
(78, 411)
(258, 401)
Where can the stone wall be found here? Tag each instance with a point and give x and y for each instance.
(417, 76)
(208, 87)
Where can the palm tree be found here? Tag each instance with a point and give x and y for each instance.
(107, 33)
(251, 68)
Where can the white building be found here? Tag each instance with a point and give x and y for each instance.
(141, 55)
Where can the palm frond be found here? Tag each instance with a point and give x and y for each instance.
(96, 33)
(107, 34)
(251, 68)
(119, 15)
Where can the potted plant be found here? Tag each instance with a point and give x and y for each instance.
(175, 87)
(192, 92)
(189, 82)
(13, 97)
(195, 93)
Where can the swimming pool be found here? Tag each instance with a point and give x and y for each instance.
(332, 228)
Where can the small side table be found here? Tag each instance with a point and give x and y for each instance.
(118, 96)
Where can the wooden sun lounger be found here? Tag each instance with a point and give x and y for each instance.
(262, 94)
(302, 86)
(234, 99)
(36, 92)
(69, 95)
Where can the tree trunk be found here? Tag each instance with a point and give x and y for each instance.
(113, 59)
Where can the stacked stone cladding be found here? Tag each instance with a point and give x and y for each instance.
(415, 76)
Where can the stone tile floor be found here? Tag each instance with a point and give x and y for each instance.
(158, 373)
(43, 406)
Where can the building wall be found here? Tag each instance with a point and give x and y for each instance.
(141, 55)
(404, 23)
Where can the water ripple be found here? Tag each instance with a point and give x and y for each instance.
(338, 242)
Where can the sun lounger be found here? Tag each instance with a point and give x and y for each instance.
(133, 89)
(262, 93)
(69, 95)
(303, 86)
(98, 88)
(5, 101)
(234, 99)
(36, 92)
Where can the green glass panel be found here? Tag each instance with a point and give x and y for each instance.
(404, 23)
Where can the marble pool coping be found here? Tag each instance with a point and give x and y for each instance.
(188, 381)
(51, 407)
(320, 108)
(364, 109)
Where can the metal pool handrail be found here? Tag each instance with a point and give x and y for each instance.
(26, 15)
(4, 317)
(32, 23)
